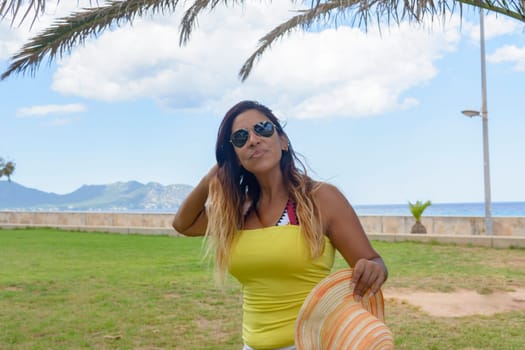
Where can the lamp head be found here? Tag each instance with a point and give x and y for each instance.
(471, 113)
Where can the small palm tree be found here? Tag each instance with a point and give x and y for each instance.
(6, 169)
(2, 166)
(417, 210)
(67, 32)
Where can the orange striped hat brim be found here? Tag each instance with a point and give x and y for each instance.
(331, 319)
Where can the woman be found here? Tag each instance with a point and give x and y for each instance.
(273, 227)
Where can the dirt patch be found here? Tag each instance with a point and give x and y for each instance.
(12, 289)
(461, 303)
(172, 296)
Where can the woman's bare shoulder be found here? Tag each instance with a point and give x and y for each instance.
(324, 191)
(330, 200)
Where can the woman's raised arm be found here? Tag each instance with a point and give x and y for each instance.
(191, 219)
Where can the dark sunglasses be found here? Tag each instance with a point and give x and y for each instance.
(264, 129)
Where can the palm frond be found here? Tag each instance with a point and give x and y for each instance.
(303, 20)
(67, 32)
(418, 208)
(189, 19)
(13, 7)
(361, 13)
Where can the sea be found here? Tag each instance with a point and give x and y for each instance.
(499, 209)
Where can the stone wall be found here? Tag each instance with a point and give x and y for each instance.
(91, 221)
(446, 225)
(161, 223)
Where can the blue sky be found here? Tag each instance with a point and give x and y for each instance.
(376, 115)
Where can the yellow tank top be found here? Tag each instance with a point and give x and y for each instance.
(273, 265)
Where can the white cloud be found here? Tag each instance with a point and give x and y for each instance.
(50, 109)
(145, 60)
(494, 26)
(332, 73)
(509, 53)
(348, 73)
(11, 39)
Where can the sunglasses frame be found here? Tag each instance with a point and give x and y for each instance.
(261, 133)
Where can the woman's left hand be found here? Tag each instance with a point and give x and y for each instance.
(368, 274)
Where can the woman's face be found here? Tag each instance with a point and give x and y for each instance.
(259, 154)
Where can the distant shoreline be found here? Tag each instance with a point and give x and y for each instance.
(499, 209)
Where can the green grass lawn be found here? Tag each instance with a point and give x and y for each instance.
(71, 290)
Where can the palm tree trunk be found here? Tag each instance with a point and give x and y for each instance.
(418, 228)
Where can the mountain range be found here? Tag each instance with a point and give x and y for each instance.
(119, 196)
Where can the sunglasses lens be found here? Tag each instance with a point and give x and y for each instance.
(239, 137)
(264, 129)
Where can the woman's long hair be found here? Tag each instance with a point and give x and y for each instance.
(234, 187)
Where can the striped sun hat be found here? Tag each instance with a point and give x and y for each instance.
(330, 318)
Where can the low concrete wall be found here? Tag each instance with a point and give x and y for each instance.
(508, 231)
(445, 225)
(90, 221)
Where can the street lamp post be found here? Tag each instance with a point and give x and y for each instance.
(485, 120)
(486, 169)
